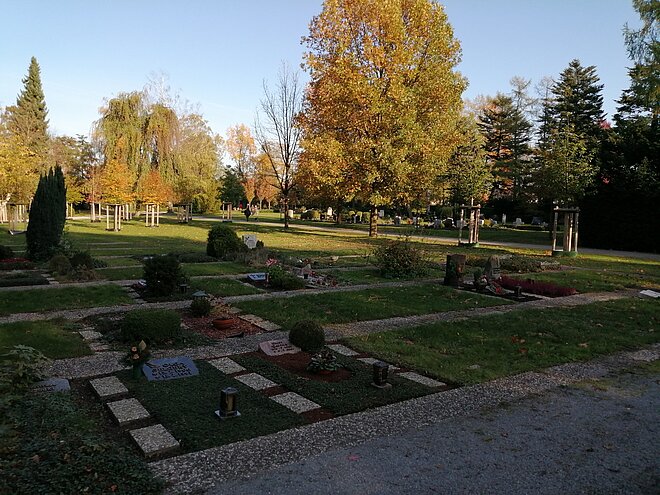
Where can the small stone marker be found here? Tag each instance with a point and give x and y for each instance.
(265, 325)
(250, 240)
(51, 385)
(226, 365)
(257, 277)
(108, 387)
(127, 411)
(256, 381)
(154, 440)
(429, 382)
(88, 335)
(278, 347)
(342, 349)
(169, 368)
(297, 403)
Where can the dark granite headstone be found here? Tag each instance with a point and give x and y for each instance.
(454, 269)
(157, 370)
(51, 385)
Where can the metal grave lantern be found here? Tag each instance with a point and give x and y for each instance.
(380, 371)
(200, 294)
(228, 409)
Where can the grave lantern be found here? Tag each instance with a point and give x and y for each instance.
(200, 294)
(228, 409)
(518, 291)
(380, 371)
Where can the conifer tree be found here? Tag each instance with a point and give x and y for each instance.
(27, 119)
(47, 215)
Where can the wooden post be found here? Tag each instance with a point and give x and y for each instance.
(107, 217)
(157, 215)
(554, 230)
(460, 226)
(575, 233)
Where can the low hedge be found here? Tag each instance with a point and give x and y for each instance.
(151, 325)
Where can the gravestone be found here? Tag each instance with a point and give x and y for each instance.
(250, 240)
(397, 220)
(518, 222)
(381, 213)
(492, 269)
(278, 347)
(503, 218)
(51, 385)
(257, 277)
(157, 370)
(328, 212)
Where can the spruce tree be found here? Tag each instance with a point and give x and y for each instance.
(27, 119)
(47, 216)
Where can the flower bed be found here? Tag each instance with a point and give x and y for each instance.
(16, 264)
(535, 287)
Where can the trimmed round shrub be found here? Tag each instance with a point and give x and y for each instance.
(150, 325)
(6, 252)
(400, 259)
(59, 264)
(82, 259)
(308, 335)
(223, 241)
(279, 278)
(162, 275)
(200, 307)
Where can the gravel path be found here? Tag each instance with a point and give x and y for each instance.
(478, 439)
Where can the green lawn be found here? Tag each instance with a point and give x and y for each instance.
(216, 268)
(35, 300)
(126, 273)
(222, 287)
(54, 338)
(186, 408)
(373, 276)
(369, 304)
(485, 348)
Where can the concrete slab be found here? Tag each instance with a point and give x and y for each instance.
(154, 440)
(342, 349)
(256, 381)
(108, 387)
(127, 411)
(226, 365)
(88, 335)
(265, 325)
(424, 380)
(297, 403)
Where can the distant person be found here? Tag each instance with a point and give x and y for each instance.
(247, 213)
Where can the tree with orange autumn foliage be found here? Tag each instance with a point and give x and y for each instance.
(116, 183)
(384, 98)
(153, 189)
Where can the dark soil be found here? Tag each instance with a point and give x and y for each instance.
(203, 325)
(297, 364)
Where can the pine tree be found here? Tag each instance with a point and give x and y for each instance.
(47, 215)
(27, 119)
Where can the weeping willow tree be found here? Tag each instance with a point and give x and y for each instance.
(161, 129)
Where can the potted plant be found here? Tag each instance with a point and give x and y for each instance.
(137, 356)
(323, 362)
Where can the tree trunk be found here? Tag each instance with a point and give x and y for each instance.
(373, 222)
(285, 200)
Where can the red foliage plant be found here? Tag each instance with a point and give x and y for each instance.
(536, 287)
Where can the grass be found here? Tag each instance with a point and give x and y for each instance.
(369, 304)
(591, 280)
(489, 347)
(373, 275)
(35, 300)
(54, 338)
(215, 268)
(125, 273)
(186, 408)
(344, 397)
(223, 287)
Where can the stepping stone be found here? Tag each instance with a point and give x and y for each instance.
(108, 386)
(643, 355)
(342, 349)
(297, 403)
(429, 382)
(99, 346)
(265, 325)
(88, 335)
(256, 381)
(226, 365)
(127, 411)
(371, 361)
(154, 440)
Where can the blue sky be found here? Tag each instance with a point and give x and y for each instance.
(216, 54)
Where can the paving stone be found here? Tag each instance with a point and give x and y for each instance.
(226, 365)
(127, 411)
(108, 386)
(90, 335)
(154, 440)
(645, 355)
(342, 349)
(256, 381)
(429, 382)
(99, 346)
(371, 361)
(297, 403)
(267, 326)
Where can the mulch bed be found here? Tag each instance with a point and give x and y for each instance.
(204, 326)
(297, 364)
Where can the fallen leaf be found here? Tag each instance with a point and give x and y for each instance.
(583, 345)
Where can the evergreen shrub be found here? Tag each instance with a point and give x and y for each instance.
(200, 307)
(400, 259)
(59, 264)
(151, 325)
(47, 216)
(162, 275)
(223, 242)
(279, 278)
(308, 335)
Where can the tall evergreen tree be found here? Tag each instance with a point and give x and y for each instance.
(27, 119)
(47, 215)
